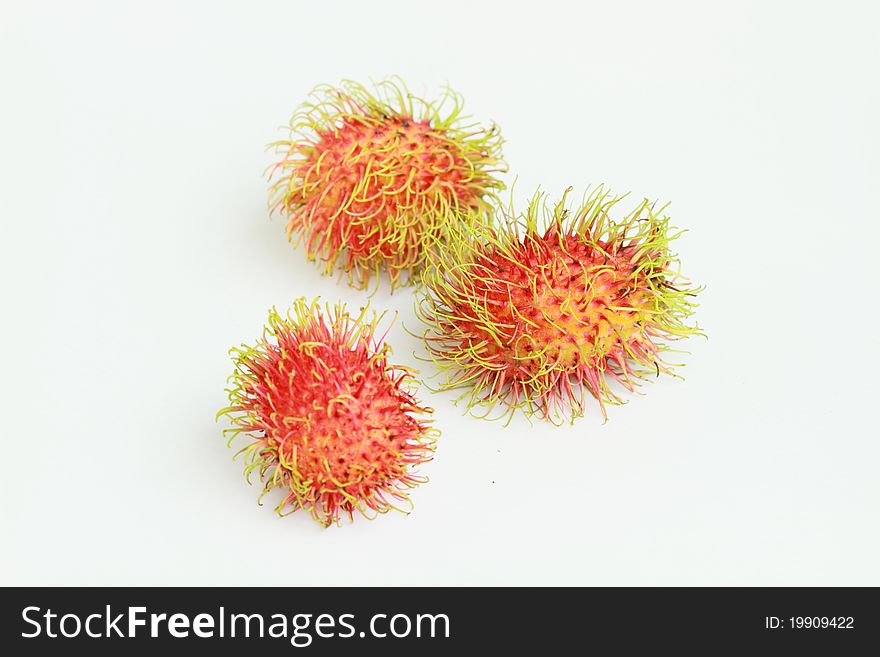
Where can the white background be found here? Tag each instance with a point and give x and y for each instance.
(137, 249)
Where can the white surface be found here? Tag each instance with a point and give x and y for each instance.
(137, 250)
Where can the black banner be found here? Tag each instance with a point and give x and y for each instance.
(434, 621)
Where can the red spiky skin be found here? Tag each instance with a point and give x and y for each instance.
(534, 319)
(580, 337)
(422, 169)
(373, 182)
(333, 424)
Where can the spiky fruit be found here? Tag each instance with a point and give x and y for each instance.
(553, 305)
(330, 422)
(374, 179)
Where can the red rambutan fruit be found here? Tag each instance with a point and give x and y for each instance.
(550, 306)
(330, 422)
(373, 180)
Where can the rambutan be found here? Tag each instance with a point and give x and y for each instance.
(547, 307)
(374, 180)
(330, 422)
